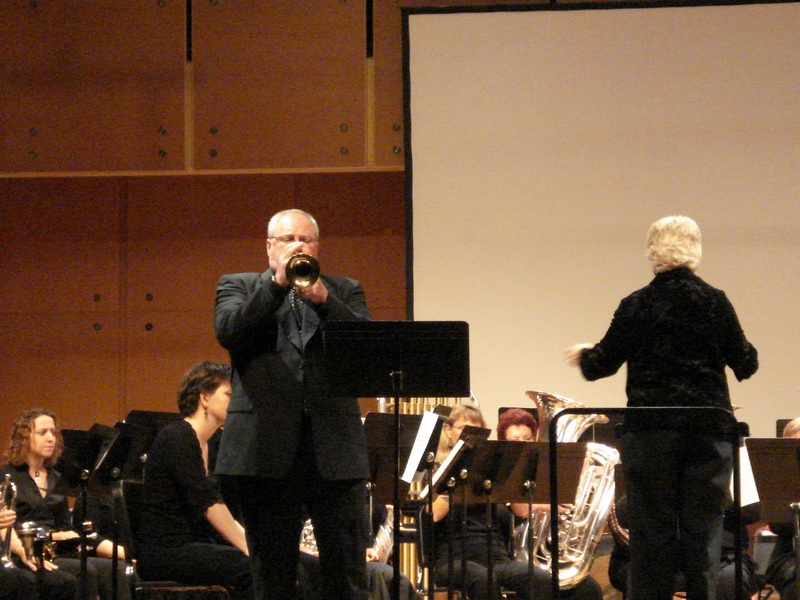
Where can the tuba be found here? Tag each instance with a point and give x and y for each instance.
(302, 271)
(8, 501)
(580, 531)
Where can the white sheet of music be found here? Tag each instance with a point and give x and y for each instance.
(424, 433)
(746, 480)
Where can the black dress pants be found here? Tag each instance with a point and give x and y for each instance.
(677, 485)
(273, 512)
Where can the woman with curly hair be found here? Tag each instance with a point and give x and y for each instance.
(35, 446)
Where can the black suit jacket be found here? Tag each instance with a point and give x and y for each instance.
(279, 375)
(677, 335)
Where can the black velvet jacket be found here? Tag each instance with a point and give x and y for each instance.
(676, 335)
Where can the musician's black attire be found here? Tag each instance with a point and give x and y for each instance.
(676, 335)
(174, 539)
(781, 569)
(470, 540)
(288, 444)
(21, 584)
(52, 512)
(619, 564)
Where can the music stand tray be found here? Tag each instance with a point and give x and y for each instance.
(87, 459)
(776, 470)
(379, 433)
(363, 358)
(509, 465)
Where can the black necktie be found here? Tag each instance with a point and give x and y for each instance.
(297, 308)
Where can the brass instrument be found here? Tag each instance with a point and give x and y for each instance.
(37, 543)
(8, 501)
(580, 530)
(302, 271)
(308, 540)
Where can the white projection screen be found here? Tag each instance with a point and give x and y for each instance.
(543, 142)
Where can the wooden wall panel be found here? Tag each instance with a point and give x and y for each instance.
(161, 346)
(91, 86)
(378, 262)
(279, 84)
(388, 66)
(68, 362)
(185, 232)
(60, 245)
(374, 200)
(152, 249)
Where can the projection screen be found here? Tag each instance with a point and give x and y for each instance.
(543, 142)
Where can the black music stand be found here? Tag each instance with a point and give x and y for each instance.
(399, 359)
(511, 472)
(92, 461)
(148, 424)
(776, 469)
(379, 433)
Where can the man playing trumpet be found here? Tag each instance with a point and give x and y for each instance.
(286, 443)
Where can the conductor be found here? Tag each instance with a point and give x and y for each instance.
(676, 335)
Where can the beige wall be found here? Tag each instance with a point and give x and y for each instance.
(559, 156)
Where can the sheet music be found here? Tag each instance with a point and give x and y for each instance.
(747, 482)
(427, 428)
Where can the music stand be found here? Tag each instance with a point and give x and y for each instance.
(776, 469)
(379, 433)
(399, 359)
(777, 474)
(509, 472)
(92, 461)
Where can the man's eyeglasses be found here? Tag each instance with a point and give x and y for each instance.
(289, 239)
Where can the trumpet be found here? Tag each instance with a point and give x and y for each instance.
(302, 271)
(8, 501)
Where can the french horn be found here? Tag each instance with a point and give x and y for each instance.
(578, 532)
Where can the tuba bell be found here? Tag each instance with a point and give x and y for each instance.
(580, 531)
(302, 271)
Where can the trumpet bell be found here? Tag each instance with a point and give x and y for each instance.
(302, 271)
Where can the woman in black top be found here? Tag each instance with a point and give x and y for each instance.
(468, 539)
(36, 444)
(676, 335)
(186, 533)
(782, 567)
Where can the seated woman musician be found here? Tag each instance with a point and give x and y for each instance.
(186, 533)
(519, 425)
(469, 538)
(781, 570)
(36, 444)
